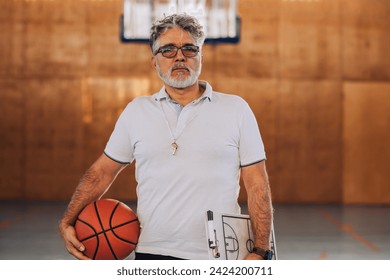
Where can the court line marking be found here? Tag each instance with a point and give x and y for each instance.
(324, 255)
(349, 230)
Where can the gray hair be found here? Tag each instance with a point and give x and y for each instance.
(184, 21)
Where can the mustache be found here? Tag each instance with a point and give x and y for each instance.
(180, 66)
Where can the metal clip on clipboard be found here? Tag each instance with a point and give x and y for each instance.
(213, 241)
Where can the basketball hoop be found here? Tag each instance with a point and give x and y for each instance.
(219, 18)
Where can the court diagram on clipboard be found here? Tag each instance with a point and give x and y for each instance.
(230, 237)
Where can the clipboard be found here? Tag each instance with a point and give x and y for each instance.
(230, 237)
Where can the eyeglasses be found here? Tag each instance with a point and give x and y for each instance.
(170, 51)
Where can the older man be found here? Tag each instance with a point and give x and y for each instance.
(190, 145)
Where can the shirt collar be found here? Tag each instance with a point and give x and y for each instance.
(208, 93)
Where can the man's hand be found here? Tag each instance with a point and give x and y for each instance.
(253, 256)
(73, 245)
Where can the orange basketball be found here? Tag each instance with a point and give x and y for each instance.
(108, 229)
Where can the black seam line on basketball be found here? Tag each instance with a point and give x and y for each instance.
(105, 235)
(91, 227)
(117, 236)
(96, 235)
(97, 241)
(112, 228)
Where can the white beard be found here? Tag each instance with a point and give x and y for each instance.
(179, 82)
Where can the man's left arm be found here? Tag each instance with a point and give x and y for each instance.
(260, 209)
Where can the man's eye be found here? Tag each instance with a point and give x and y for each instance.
(169, 49)
(190, 48)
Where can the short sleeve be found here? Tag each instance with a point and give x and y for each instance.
(251, 147)
(119, 147)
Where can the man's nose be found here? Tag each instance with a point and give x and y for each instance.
(179, 55)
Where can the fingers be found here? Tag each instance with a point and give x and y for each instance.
(76, 248)
(76, 252)
(73, 245)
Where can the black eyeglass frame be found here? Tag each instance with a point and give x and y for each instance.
(161, 49)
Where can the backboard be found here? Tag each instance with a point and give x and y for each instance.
(219, 18)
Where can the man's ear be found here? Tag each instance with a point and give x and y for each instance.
(153, 61)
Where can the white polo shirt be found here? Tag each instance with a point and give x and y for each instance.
(216, 135)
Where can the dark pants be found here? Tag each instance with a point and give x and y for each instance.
(142, 256)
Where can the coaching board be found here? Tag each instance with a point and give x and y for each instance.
(230, 237)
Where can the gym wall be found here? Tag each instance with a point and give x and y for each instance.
(316, 73)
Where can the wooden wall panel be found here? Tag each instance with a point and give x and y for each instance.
(11, 140)
(65, 77)
(54, 139)
(69, 49)
(56, 41)
(366, 141)
(11, 34)
(6, 10)
(5, 48)
(308, 142)
(309, 39)
(12, 179)
(37, 50)
(366, 40)
(259, 39)
(256, 55)
(107, 55)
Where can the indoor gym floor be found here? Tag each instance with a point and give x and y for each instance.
(28, 231)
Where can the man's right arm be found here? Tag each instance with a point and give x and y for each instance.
(94, 183)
